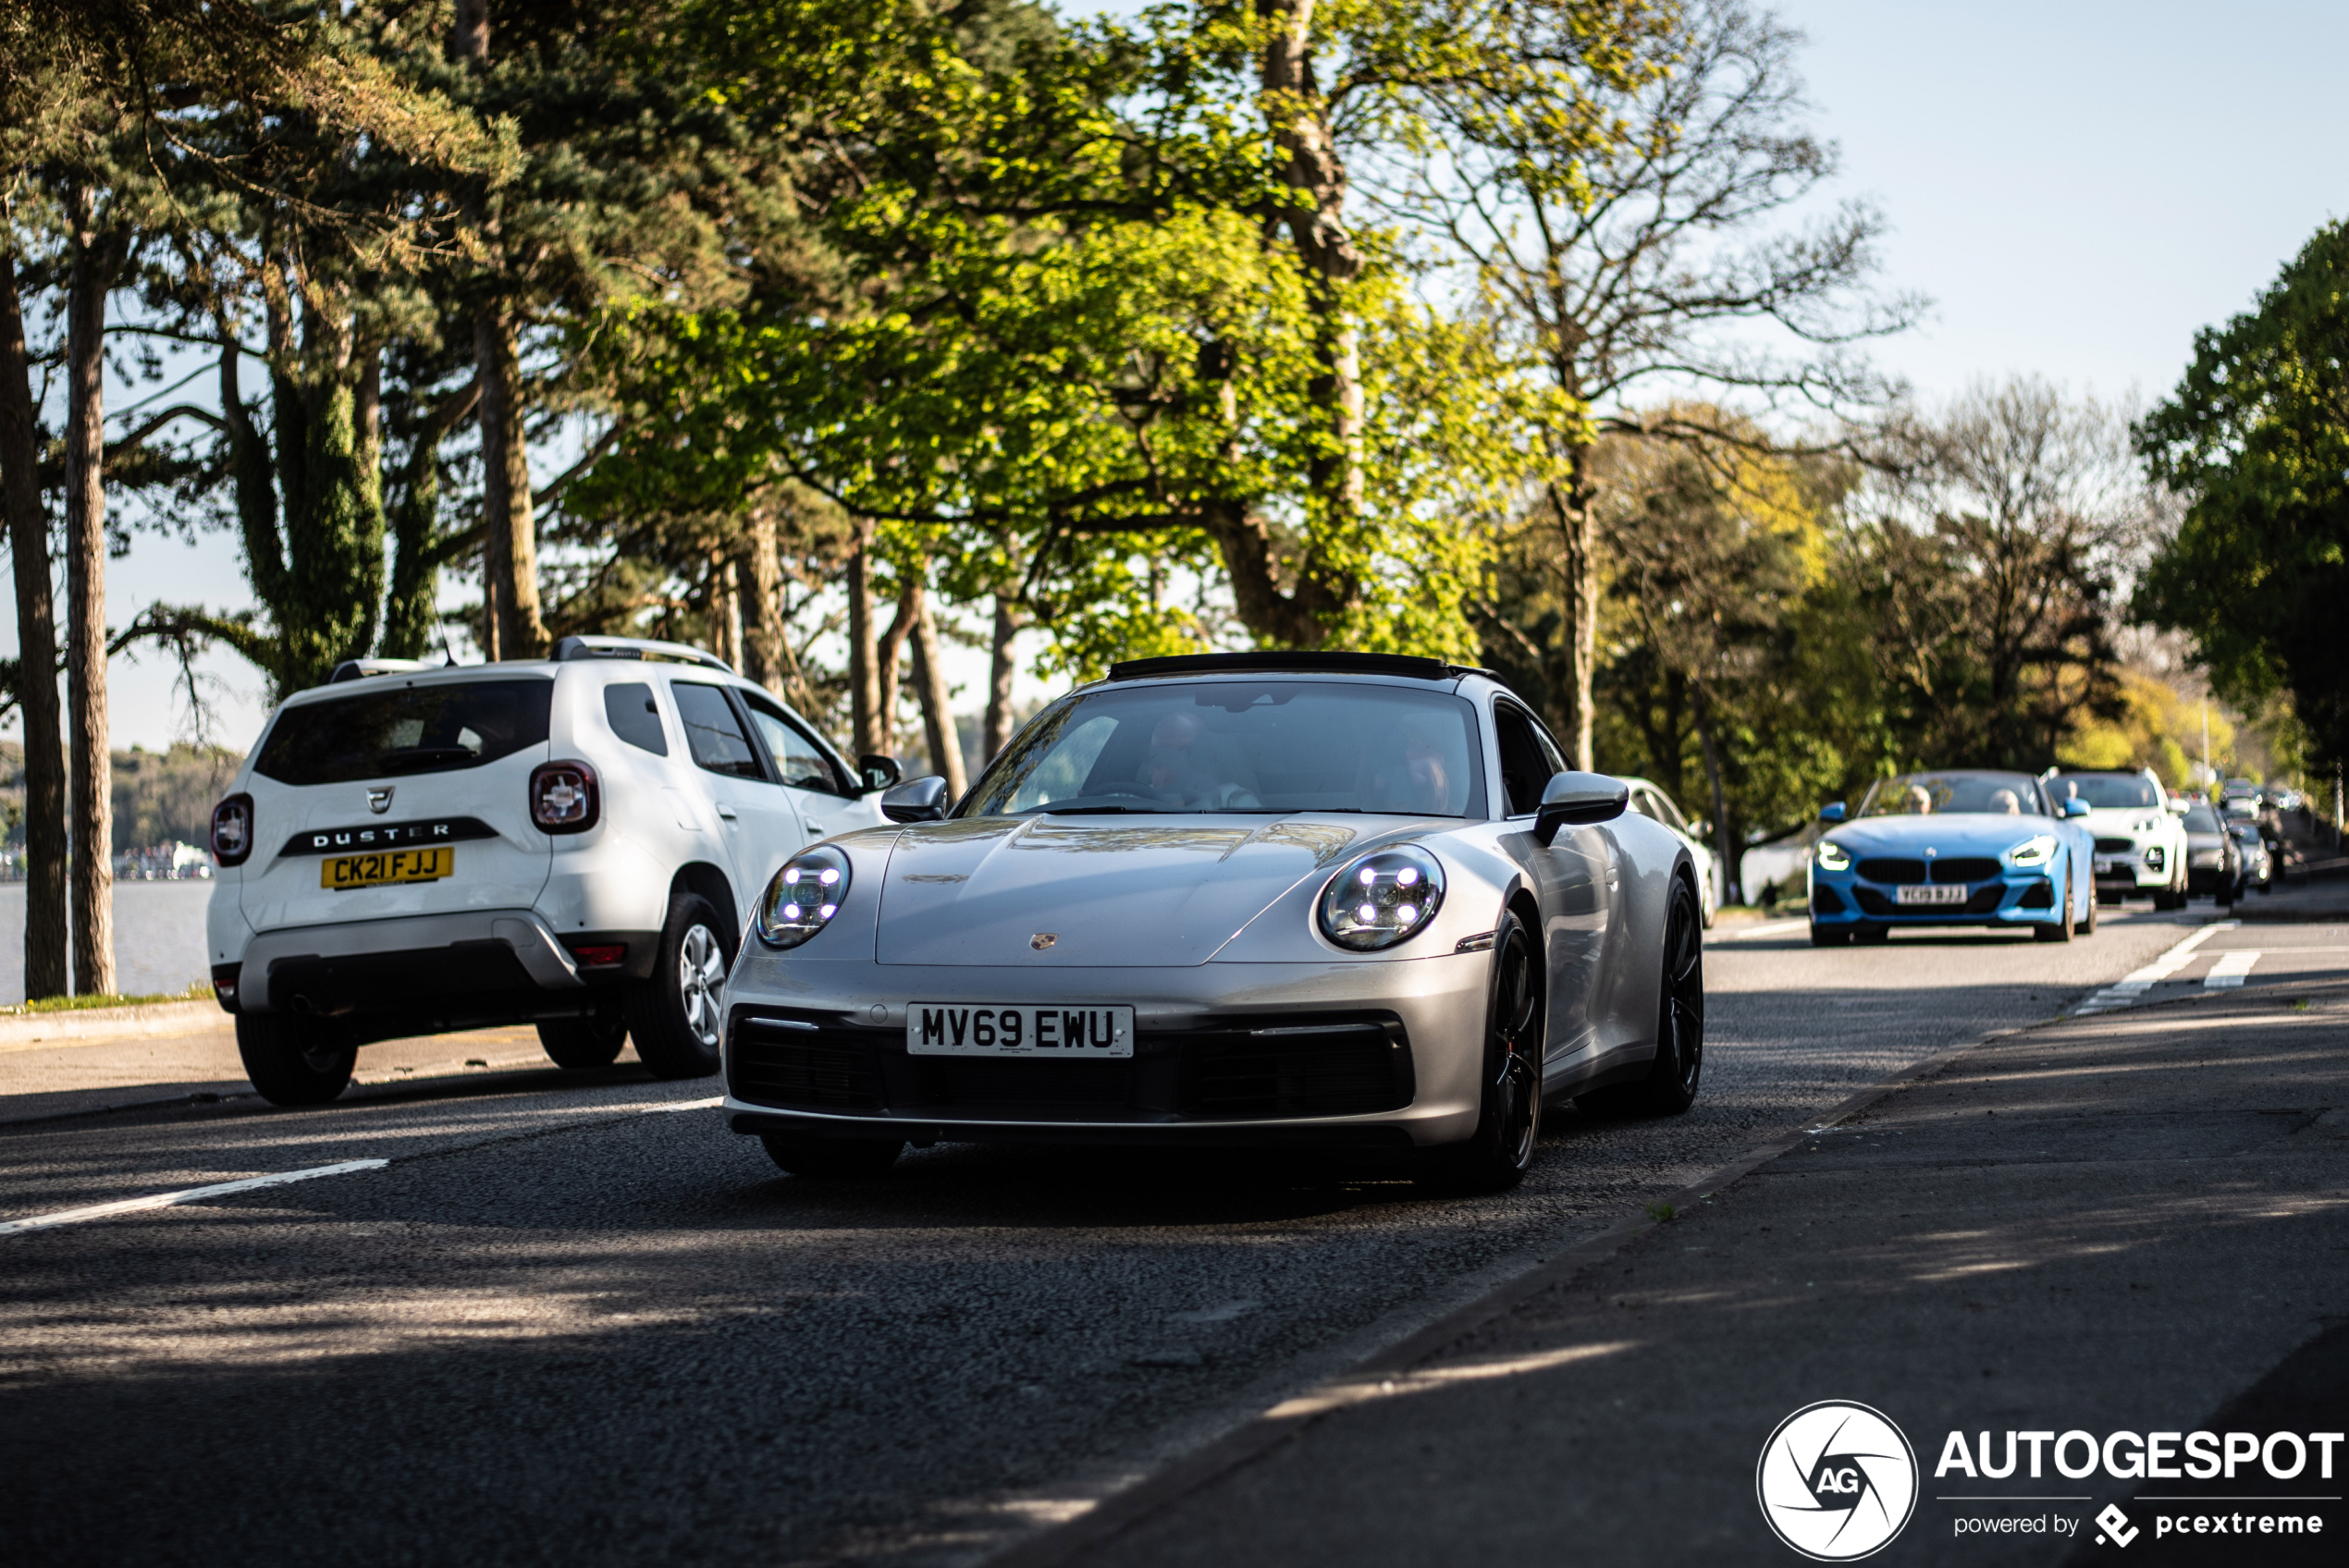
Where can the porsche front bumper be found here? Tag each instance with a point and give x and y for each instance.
(1348, 1054)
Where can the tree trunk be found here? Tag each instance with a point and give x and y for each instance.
(1724, 842)
(46, 973)
(887, 658)
(937, 712)
(95, 261)
(725, 607)
(764, 654)
(1301, 130)
(509, 536)
(864, 675)
(1579, 598)
(995, 733)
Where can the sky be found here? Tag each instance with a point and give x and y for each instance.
(2078, 186)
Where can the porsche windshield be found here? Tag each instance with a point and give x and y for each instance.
(1940, 794)
(1241, 746)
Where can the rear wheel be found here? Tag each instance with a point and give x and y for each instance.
(577, 1044)
(290, 1061)
(675, 1015)
(1495, 1157)
(832, 1157)
(1670, 1085)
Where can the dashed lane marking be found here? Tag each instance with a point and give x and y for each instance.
(2228, 972)
(2132, 987)
(250, 1184)
(186, 1195)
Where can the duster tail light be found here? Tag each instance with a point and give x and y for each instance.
(232, 830)
(564, 797)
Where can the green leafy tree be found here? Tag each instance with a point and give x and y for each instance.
(2255, 439)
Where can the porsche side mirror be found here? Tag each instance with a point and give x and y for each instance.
(923, 799)
(1832, 812)
(1579, 800)
(879, 771)
(2076, 806)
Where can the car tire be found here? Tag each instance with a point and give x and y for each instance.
(577, 1045)
(674, 1016)
(1822, 937)
(1671, 1084)
(2088, 926)
(1871, 931)
(832, 1157)
(2059, 929)
(1497, 1156)
(290, 1062)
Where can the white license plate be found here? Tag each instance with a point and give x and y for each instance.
(1066, 1033)
(2109, 868)
(1929, 893)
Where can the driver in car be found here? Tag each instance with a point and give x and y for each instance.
(1182, 773)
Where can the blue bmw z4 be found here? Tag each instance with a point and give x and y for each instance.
(1953, 848)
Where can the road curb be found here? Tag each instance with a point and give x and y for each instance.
(1122, 1510)
(99, 1025)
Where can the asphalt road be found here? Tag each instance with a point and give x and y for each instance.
(575, 1320)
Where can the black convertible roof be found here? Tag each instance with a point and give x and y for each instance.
(1293, 663)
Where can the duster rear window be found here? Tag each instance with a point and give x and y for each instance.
(397, 731)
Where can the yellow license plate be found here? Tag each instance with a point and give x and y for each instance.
(388, 866)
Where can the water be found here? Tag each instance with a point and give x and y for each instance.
(159, 937)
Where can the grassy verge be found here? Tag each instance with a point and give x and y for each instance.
(199, 992)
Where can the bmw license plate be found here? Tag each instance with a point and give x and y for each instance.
(961, 1029)
(388, 866)
(1930, 893)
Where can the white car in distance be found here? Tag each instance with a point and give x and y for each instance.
(575, 842)
(1650, 800)
(2140, 833)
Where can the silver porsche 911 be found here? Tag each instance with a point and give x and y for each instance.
(1334, 900)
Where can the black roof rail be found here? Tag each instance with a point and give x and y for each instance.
(1330, 661)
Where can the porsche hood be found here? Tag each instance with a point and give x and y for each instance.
(1084, 893)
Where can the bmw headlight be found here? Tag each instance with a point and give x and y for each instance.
(2032, 852)
(1833, 856)
(804, 897)
(1383, 899)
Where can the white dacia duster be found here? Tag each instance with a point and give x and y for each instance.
(575, 842)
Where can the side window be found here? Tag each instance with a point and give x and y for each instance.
(713, 734)
(1525, 766)
(798, 760)
(630, 710)
(1644, 806)
(1664, 810)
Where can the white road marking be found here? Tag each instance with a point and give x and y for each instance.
(2132, 987)
(2228, 972)
(1767, 928)
(188, 1195)
(687, 1104)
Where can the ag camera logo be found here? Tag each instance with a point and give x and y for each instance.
(1838, 1481)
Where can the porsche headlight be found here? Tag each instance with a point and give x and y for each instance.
(2032, 852)
(1833, 857)
(804, 897)
(1381, 899)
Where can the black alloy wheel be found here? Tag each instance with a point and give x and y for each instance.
(1671, 1086)
(675, 1015)
(2060, 928)
(576, 1044)
(832, 1157)
(1497, 1155)
(292, 1060)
